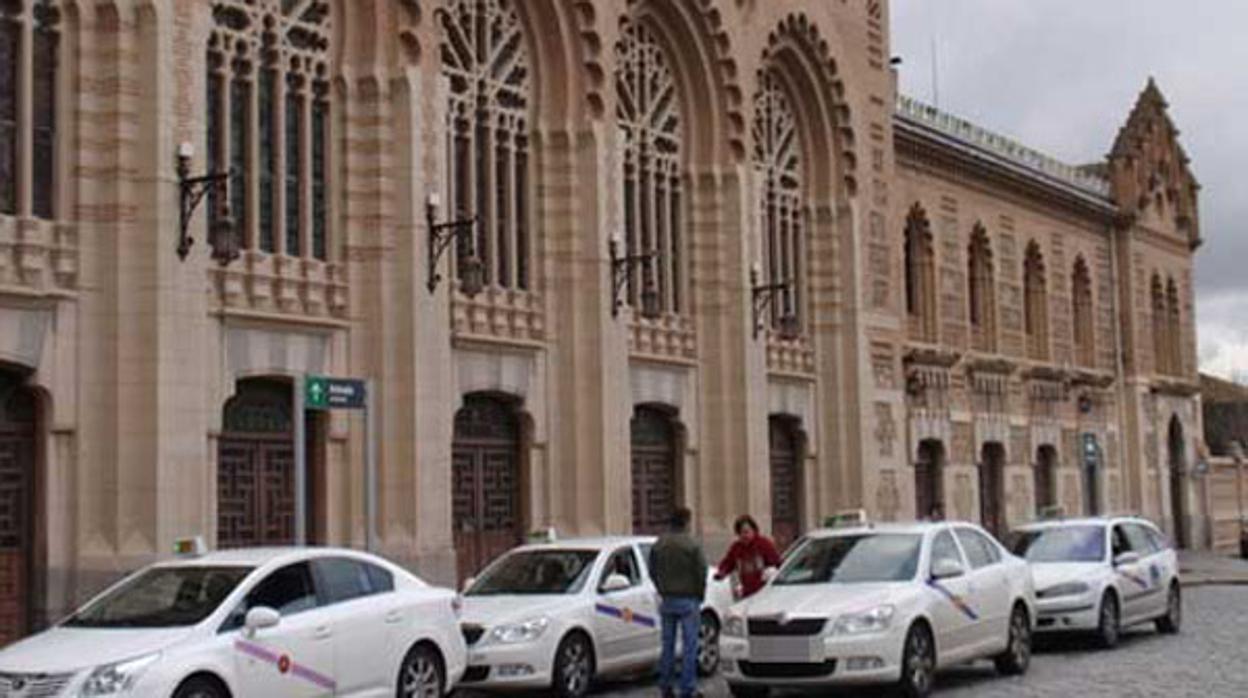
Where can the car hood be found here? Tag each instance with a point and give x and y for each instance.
(491, 610)
(1047, 574)
(819, 600)
(63, 649)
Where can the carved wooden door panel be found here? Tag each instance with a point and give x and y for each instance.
(786, 520)
(653, 470)
(256, 468)
(17, 502)
(486, 486)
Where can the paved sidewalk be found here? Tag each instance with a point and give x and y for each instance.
(1200, 567)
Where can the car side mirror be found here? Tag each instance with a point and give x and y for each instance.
(945, 568)
(1128, 558)
(468, 584)
(615, 582)
(259, 618)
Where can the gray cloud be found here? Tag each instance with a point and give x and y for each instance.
(1062, 75)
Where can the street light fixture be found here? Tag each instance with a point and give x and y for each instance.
(763, 297)
(621, 268)
(471, 268)
(222, 238)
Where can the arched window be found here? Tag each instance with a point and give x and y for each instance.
(1161, 327)
(1035, 304)
(485, 59)
(1081, 312)
(1174, 331)
(649, 119)
(28, 112)
(920, 266)
(982, 291)
(778, 161)
(268, 119)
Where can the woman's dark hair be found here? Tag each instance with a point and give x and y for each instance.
(680, 519)
(743, 521)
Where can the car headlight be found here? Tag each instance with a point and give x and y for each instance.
(734, 626)
(116, 679)
(872, 621)
(1065, 589)
(513, 633)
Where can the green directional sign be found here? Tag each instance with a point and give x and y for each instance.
(326, 393)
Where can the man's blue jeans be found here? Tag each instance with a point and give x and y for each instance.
(682, 611)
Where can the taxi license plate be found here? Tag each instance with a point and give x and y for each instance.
(785, 649)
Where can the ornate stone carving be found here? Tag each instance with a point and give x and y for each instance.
(888, 496)
(885, 429)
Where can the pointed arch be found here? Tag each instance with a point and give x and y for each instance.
(920, 272)
(981, 291)
(1035, 303)
(1082, 313)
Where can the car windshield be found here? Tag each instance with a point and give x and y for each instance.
(536, 572)
(853, 559)
(162, 597)
(1061, 544)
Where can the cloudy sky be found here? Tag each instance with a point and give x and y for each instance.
(1062, 75)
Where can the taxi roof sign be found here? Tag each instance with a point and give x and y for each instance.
(544, 535)
(1052, 512)
(847, 519)
(190, 547)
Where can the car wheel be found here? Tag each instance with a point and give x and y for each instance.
(708, 645)
(739, 690)
(918, 663)
(1017, 655)
(574, 667)
(421, 675)
(200, 687)
(1171, 622)
(1109, 628)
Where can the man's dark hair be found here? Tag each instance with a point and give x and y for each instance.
(681, 518)
(743, 521)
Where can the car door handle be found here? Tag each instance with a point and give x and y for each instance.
(322, 633)
(394, 617)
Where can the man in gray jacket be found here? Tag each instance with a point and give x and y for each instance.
(678, 568)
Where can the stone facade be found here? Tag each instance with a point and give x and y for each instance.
(710, 135)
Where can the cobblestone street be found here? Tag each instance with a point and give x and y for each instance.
(1205, 661)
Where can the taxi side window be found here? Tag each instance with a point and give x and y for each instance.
(1159, 540)
(288, 591)
(1140, 540)
(344, 579)
(944, 548)
(623, 562)
(979, 550)
(1120, 543)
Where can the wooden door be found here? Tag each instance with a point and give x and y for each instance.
(256, 468)
(653, 470)
(786, 482)
(486, 487)
(17, 506)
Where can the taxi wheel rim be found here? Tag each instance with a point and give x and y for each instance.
(575, 668)
(708, 645)
(1020, 634)
(1175, 608)
(1109, 619)
(421, 679)
(919, 661)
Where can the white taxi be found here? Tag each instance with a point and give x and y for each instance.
(259, 622)
(556, 615)
(881, 604)
(1101, 575)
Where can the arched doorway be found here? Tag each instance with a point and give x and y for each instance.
(486, 474)
(929, 489)
(18, 503)
(655, 481)
(992, 488)
(1046, 478)
(1178, 482)
(786, 480)
(256, 466)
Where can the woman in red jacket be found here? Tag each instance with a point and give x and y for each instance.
(750, 554)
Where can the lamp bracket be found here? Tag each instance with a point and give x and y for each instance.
(192, 191)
